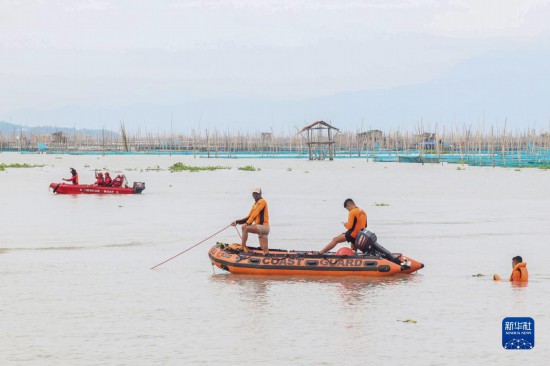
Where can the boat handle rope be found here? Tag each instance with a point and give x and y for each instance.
(275, 260)
(241, 257)
(333, 263)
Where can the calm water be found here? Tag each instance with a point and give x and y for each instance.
(77, 289)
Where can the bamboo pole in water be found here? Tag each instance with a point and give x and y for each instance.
(499, 146)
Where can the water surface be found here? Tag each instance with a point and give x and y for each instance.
(77, 289)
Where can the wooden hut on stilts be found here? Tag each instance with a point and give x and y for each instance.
(319, 138)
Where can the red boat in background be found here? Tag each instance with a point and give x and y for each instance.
(62, 188)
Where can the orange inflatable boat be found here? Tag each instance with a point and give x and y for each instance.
(282, 262)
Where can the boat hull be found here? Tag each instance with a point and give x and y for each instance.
(63, 188)
(282, 262)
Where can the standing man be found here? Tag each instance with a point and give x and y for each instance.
(257, 221)
(73, 178)
(357, 220)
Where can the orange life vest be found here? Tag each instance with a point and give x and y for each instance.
(520, 273)
(357, 220)
(258, 214)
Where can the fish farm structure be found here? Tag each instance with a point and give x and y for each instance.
(503, 148)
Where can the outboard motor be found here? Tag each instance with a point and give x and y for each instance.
(138, 187)
(366, 241)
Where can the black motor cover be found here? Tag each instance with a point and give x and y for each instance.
(366, 241)
(138, 187)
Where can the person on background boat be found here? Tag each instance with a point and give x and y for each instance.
(73, 178)
(257, 221)
(519, 271)
(117, 182)
(108, 180)
(357, 220)
(99, 179)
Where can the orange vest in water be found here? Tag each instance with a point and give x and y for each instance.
(519, 273)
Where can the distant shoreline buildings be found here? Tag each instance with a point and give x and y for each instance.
(461, 145)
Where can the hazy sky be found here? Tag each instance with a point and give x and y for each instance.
(108, 53)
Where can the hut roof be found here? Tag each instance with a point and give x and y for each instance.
(323, 123)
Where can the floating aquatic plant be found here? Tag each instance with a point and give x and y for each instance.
(249, 168)
(156, 168)
(17, 165)
(180, 167)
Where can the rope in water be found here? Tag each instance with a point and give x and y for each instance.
(188, 249)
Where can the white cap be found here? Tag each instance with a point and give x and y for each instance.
(256, 190)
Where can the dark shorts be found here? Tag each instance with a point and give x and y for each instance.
(349, 238)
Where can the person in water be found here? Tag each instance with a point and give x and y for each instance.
(357, 220)
(519, 271)
(99, 179)
(73, 178)
(108, 181)
(257, 221)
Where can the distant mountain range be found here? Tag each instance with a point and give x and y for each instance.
(491, 88)
(7, 128)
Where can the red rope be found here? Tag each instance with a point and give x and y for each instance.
(188, 249)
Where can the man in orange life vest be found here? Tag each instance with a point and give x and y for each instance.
(73, 178)
(357, 220)
(257, 221)
(519, 272)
